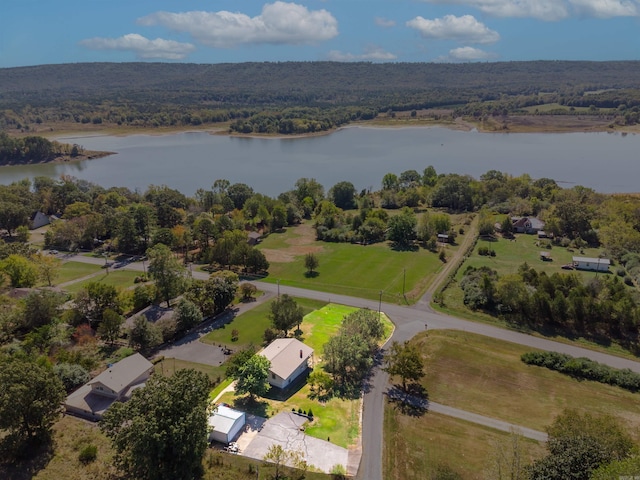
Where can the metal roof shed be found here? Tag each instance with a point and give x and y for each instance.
(225, 424)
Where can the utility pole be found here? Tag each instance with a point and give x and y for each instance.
(404, 279)
(278, 289)
(380, 306)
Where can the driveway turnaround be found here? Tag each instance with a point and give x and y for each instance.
(284, 430)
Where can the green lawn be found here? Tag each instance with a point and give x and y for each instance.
(117, 278)
(416, 447)
(361, 271)
(251, 325)
(72, 270)
(168, 366)
(485, 376)
(511, 254)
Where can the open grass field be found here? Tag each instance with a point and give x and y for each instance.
(251, 325)
(70, 271)
(349, 269)
(485, 376)
(415, 448)
(118, 278)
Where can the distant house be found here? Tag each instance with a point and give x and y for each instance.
(38, 220)
(289, 359)
(443, 238)
(225, 424)
(116, 383)
(530, 225)
(253, 238)
(594, 264)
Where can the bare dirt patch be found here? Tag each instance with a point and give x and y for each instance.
(302, 243)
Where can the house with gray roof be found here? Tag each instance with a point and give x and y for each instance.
(289, 359)
(116, 383)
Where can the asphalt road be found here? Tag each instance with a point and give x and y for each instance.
(408, 322)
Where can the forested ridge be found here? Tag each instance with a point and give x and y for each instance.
(308, 96)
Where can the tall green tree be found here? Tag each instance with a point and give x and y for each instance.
(187, 315)
(111, 325)
(30, 400)
(167, 271)
(161, 433)
(94, 299)
(251, 377)
(286, 313)
(343, 195)
(404, 360)
(42, 307)
(402, 228)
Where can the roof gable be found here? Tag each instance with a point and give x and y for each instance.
(286, 355)
(121, 374)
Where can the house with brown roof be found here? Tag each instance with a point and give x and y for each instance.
(116, 383)
(289, 359)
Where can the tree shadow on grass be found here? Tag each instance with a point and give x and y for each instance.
(284, 394)
(413, 402)
(35, 456)
(251, 405)
(402, 247)
(313, 274)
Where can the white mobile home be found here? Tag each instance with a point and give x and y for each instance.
(595, 264)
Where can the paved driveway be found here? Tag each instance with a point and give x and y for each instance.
(284, 430)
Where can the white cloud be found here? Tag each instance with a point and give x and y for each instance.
(371, 54)
(385, 22)
(469, 54)
(278, 23)
(142, 46)
(550, 10)
(605, 8)
(464, 29)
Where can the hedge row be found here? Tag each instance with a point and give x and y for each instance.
(583, 368)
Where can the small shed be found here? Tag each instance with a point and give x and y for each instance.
(545, 256)
(253, 238)
(594, 264)
(443, 238)
(225, 424)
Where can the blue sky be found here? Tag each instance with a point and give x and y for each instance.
(36, 32)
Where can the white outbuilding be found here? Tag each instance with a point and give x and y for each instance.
(595, 264)
(225, 424)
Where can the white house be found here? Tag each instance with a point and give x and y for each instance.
(225, 424)
(289, 359)
(595, 264)
(116, 383)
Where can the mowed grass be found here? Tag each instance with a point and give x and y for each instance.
(251, 325)
(168, 366)
(349, 269)
(336, 420)
(118, 278)
(510, 254)
(416, 447)
(486, 376)
(73, 270)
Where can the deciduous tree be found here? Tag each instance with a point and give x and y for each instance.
(404, 360)
(311, 262)
(161, 433)
(286, 313)
(251, 377)
(170, 276)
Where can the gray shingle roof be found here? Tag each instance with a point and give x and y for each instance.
(120, 375)
(286, 355)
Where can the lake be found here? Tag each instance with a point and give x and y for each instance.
(606, 162)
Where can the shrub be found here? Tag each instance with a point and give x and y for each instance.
(628, 281)
(88, 454)
(621, 272)
(72, 375)
(483, 250)
(234, 335)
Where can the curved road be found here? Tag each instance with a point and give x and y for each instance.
(408, 322)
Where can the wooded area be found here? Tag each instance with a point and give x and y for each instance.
(302, 97)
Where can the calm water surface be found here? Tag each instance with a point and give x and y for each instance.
(607, 162)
